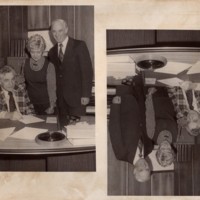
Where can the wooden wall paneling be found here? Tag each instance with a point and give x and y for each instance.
(25, 23)
(178, 35)
(84, 27)
(66, 13)
(183, 179)
(162, 184)
(20, 163)
(129, 38)
(135, 187)
(4, 33)
(38, 17)
(176, 179)
(72, 162)
(117, 173)
(196, 170)
(16, 22)
(18, 30)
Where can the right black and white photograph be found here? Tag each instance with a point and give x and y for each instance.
(153, 112)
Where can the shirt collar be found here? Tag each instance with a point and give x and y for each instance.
(64, 43)
(4, 91)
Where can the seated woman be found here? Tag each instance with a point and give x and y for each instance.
(186, 101)
(14, 101)
(128, 122)
(39, 76)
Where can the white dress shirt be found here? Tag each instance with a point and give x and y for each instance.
(137, 154)
(3, 113)
(64, 43)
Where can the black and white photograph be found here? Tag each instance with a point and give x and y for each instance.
(47, 101)
(153, 112)
(99, 99)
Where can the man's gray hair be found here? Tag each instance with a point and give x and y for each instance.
(6, 69)
(141, 176)
(61, 21)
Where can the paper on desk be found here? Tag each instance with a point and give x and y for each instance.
(195, 69)
(120, 70)
(171, 81)
(150, 81)
(27, 133)
(29, 119)
(173, 68)
(5, 132)
(197, 86)
(52, 120)
(119, 59)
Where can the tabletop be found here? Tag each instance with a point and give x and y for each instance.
(15, 146)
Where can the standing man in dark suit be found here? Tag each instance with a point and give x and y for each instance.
(128, 128)
(128, 131)
(74, 72)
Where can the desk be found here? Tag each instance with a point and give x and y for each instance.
(159, 76)
(27, 155)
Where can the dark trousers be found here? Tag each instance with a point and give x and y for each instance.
(40, 108)
(65, 110)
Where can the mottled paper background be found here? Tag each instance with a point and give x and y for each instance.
(116, 14)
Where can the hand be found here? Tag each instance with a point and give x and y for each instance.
(15, 115)
(151, 90)
(116, 100)
(50, 110)
(127, 81)
(182, 121)
(85, 100)
(188, 85)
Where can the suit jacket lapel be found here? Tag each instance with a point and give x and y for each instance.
(55, 55)
(69, 50)
(3, 105)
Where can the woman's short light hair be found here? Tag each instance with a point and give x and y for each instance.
(193, 124)
(165, 158)
(36, 42)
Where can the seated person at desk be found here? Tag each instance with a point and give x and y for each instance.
(39, 76)
(186, 101)
(14, 101)
(128, 122)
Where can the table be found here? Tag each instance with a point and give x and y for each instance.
(27, 155)
(148, 74)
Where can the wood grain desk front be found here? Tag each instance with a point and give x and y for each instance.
(27, 155)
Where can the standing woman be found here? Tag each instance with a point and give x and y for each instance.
(39, 76)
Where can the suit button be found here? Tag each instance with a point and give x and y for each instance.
(140, 124)
(60, 76)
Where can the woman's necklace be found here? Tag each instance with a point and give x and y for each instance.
(36, 65)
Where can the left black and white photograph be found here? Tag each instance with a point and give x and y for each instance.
(47, 98)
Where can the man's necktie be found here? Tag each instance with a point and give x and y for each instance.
(190, 98)
(11, 102)
(150, 116)
(140, 145)
(61, 55)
